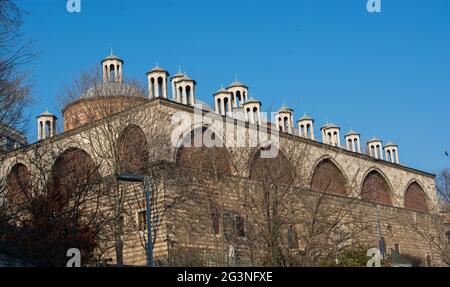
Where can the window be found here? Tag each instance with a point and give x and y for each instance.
(142, 220)
(233, 226)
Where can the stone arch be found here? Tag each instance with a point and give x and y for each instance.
(328, 177)
(73, 170)
(376, 187)
(415, 197)
(18, 183)
(216, 159)
(272, 170)
(133, 154)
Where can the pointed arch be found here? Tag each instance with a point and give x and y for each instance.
(415, 197)
(376, 188)
(272, 170)
(216, 159)
(133, 151)
(328, 177)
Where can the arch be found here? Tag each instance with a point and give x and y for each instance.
(327, 177)
(376, 188)
(160, 86)
(18, 183)
(133, 151)
(216, 160)
(225, 104)
(415, 197)
(271, 170)
(188, 95)
(74, 170)
(112, 75)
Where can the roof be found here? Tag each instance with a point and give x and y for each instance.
(374, 139)
(306, 118)
(252, 100)
(329, 126)
(112, 57)
(237, 84)
(390, 143)
(285, 108)
(157, 69)
(222, 91)
(352, 133)
(46, 114)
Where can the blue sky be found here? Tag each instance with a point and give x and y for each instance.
(384, 74)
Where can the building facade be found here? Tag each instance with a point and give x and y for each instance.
(208, 163)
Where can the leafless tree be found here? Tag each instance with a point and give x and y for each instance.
(14, 87)
(50, 203)
(121, 145)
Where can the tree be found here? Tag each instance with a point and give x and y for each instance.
(51, 203)
(14, 89)
(121, 146)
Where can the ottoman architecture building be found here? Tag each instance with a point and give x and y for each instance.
(230, 184)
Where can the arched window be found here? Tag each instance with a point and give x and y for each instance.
(225, 103)
(255, 114)
(375, 188)
(219, 105)
(308, 131)
(18, 184)
(215, 160)
(160, 86)
(188, 95)
(112, 76)
(153, 88)
(238, 98)
(286, 124)
(415, 198)
(133, 151)
(277, 170)
(328, 178)
(180, 95)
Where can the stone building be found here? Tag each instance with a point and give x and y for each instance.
(201, 191)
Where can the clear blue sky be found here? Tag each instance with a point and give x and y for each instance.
(384, 75)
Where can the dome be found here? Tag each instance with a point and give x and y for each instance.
(111, 89)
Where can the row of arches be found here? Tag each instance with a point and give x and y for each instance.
(75, 166)
(326, 176)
